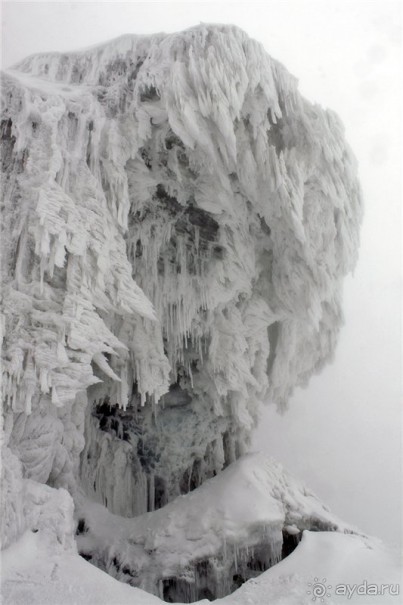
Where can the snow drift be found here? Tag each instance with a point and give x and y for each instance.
(177, 223)
(207, 543)
(31, 574)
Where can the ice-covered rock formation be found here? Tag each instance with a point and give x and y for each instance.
(177, 223)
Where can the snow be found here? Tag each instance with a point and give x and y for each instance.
(33, 575)
(177, 225)
(229, 519)
(339, 558)
(28, 504)
(247, 506)
(95, 134)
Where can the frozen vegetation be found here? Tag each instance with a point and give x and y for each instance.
(177, 222)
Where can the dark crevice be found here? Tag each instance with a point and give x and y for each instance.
(290, 543)
(273, 332)
(81, 527)
(149, 94)
(275, 134)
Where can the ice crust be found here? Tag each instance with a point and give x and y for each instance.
(177, 222)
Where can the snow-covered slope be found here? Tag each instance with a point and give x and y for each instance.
(228, 528)
(210, 541)
(177, 223)
(32, 574)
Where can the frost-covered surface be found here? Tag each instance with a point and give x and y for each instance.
(33, 574)
(177, 222)
(29, 505)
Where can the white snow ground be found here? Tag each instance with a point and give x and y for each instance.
(43, 567)
(34, 575)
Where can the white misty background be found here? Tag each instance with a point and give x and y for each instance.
(341, 435)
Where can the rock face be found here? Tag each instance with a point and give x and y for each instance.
(177, 222)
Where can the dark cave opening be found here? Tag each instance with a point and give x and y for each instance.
(290, 543)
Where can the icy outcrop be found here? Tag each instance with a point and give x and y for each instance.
(207, 543)
(177, 223)
(27, 505)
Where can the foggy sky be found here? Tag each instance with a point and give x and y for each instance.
(342, 434)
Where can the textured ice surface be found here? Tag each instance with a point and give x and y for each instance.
(177, 223)
(29, 505)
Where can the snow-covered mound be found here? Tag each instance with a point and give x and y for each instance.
(33, 574)
(210, 541)
(177, 223)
